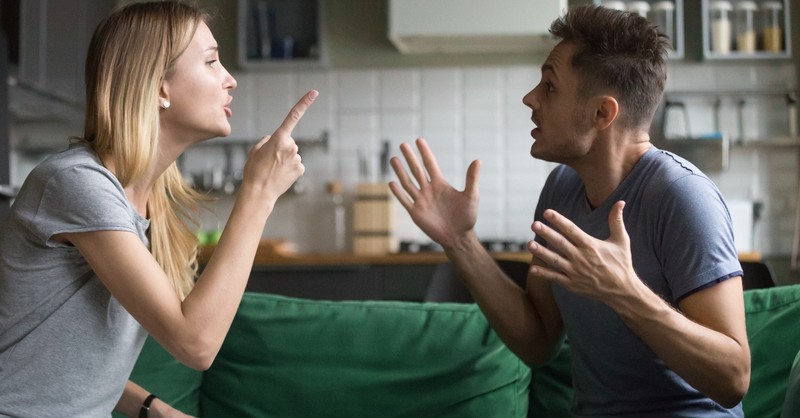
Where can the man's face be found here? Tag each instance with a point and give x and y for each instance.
(563, 120)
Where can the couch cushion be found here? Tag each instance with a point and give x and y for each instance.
(160, 373)
(774, 335)
(287, 357)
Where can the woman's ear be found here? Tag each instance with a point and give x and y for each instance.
(163, 95)
(606, 112)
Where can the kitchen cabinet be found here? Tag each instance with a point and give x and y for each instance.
(667, 14)
(477, 26)
(54, 37)
(746, 29)
(281, 34)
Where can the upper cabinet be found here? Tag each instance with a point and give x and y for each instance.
(475, 26)
(746, 29)
(54, 37)
(667, 14)
(281, 34)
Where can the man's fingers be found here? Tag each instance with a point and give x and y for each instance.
(402, 176)
(297, 112)
(401, 197)
(428, 159)
(473, 172)
(413, 164)
(566, 228)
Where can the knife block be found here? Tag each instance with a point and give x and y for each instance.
(373, 220)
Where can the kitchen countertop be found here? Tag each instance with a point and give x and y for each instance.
(270, 253)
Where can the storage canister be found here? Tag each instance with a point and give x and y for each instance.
(745, 26)
(663, 14)
(614, 4)
(639, 7)
(773, 25)
(720, 26)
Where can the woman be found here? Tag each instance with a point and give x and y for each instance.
(96, 252)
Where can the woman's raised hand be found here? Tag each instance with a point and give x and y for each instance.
(274, 164)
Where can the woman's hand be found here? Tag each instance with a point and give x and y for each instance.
(274, 164)
(442, 212)
(160, 409)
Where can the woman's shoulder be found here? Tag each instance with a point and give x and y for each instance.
(77, 157)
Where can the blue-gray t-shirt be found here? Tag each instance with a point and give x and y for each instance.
(67, 346)
(681, 241)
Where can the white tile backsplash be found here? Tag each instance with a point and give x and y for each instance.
(477, 113)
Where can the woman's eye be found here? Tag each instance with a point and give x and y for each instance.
(212, 62)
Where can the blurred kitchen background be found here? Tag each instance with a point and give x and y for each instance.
(733, 112)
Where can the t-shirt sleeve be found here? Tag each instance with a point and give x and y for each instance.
(81, 198)
(697, 246)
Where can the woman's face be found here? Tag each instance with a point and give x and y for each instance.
(197, 88)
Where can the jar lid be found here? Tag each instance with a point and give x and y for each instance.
(772, 5)
(721, 5)
(746, 5)
(664, 5)
(638, 6)
(616, 5)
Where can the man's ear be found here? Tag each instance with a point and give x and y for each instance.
(606, 112)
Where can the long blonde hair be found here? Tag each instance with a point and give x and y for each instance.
(129, 55)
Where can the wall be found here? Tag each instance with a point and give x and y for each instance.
(475, 112)
(468, 109)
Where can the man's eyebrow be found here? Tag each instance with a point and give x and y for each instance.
(549, 68)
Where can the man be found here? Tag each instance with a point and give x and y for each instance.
(634, 257)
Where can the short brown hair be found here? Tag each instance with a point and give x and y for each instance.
(618, 53)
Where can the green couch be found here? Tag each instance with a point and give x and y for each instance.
(289, 357)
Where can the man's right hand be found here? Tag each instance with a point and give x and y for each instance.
(445, 214)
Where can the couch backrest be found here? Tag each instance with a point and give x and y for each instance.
(287, 357)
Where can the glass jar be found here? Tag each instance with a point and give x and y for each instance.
(744, 26)
(614, 4)
(772, 12)
(639, 7)
(663, 15)
(720, 19)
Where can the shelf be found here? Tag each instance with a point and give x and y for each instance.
(677, 17)
(281, 34)
(760, 53)
(319, 142)
(770, 142)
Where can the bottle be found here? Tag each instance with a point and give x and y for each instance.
(720, 26)
(639, 7)
(663, 15)
(773, 30)
(745, 26)
(335, 190)
(614, 4)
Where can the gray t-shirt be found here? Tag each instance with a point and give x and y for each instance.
(67, 346)
(681, 241)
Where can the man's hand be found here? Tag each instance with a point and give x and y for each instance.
(581, 263)
(442, 212)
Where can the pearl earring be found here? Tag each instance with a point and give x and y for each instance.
(165, 104)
